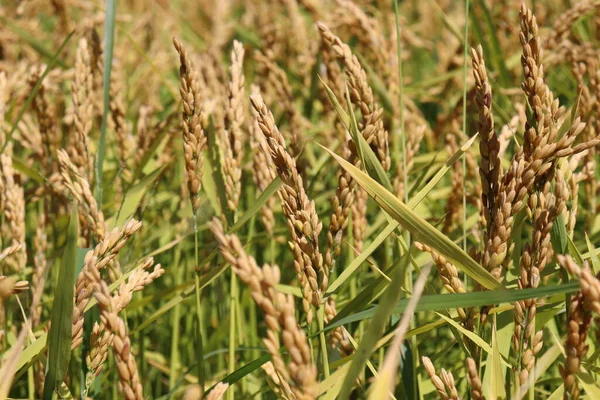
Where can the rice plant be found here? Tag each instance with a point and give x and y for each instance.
(295, 200)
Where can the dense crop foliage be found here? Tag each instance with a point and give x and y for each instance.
(299, 199)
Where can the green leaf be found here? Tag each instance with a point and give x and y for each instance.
(258, 203)
(418, 227)
(589, 384)
(437, 302)
(29, 172)
(215, 272)
(159, 141)
(392, 225)
(183, 295)
(362, 257)
(380, 388)
(366, 295)
(245, 370)
(365, 153)
(448, 22)
(109, 40)
(32, 352)
(497, 389)
(595, 258)
(330, 387)
(558, 394)
(209, 186)
(559, 236)
(416, 199)
(374, 330)
(574, 251)
(59, 337)
(471, 335)
(134, 195)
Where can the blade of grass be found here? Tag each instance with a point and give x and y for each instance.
(391, 226)
(472, 336)
(27, 171)
(387, 372)
(257, 204)
(59, 337)
(8, 369)
(464, 125)
(367, 295)
(245, 370)
(437, 302)
(365, 153)
(134, 195)
(497, 388)
(447, 21)
(155, 145)
(329, 388)
(401, 101)
(374, 331)
(419, 227)
(109, 38)
(172, 91)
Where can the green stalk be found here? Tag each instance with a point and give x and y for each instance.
(324, 355)
(401, 102)
(412, 323)
(272, 250)
(234, 308)
(175, 357)
(199, 341)
(232, 334)
(109, 37)
(464, 130)
(30, 383)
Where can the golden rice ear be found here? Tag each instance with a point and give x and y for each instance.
(194, 138)
(129, 379)
(280, 316)
(274, 80)
(13, 210)
(443, 384)
(361, 122)
(232, 136)
(83, 111)
(99, 258)
(303, 221)
(489, 167)
(80, 188)
(362, 96)
(474, 381)
(262, 166)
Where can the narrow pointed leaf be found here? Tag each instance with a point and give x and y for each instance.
(373, 333)
(497, 388)
(59, 337)
(420, 228)
(437, 302)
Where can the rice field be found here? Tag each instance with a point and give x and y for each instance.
(295, 199)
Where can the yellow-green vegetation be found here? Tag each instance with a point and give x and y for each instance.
(296, 199)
